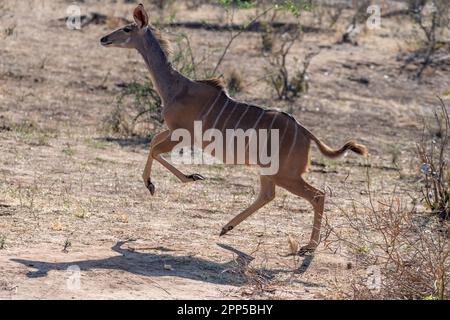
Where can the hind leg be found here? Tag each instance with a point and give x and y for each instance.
(316, 198)
(266, 194)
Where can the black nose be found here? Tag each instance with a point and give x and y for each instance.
(104, 40)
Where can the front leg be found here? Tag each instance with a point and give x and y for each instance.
(162, 143)
(167, 146)
(160, 137)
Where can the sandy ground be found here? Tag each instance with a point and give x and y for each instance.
(75, 219)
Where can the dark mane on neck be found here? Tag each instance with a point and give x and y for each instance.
(214, 82)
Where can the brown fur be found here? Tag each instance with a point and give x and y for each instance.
(214, 82)
(333, 153)
(187, 101)
(163, 41)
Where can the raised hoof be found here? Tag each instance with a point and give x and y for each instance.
(195, 177)
(150, 187)
(225, 230)
(308, 249)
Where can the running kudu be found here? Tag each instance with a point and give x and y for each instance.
(186, 101)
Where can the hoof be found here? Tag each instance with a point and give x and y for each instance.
(150, 187)
(195, 177)
(225, 230)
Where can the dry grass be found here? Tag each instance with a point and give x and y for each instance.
(399, 251)
(433, 152)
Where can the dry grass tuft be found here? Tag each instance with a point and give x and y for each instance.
(235, 82)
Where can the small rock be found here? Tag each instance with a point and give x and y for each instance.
(168, 267)
(361, 80)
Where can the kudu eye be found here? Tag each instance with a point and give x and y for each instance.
(127, 29)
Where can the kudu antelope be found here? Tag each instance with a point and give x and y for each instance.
(186, 101)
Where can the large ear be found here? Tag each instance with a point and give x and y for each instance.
(140, 16)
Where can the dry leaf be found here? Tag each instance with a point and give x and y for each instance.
(123, 218)
(57, 226)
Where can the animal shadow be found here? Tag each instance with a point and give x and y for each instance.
(155, 265)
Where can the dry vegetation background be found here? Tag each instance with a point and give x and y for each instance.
(71, 157)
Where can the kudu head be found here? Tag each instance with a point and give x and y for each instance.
(130, 35)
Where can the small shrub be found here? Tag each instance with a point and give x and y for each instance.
(398, 251)
(432, 18)
(146, 101)
(9, 31)
(288, 87)
(68, 151)
(136, 103)
(327, 14)
(66, 246)
(300, 81)
(118, 123)
(267, 38)
(235, 83)
(433, 152)
(183, 58)
(279, 76)
(359, 16)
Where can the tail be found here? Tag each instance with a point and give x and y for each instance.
(331, 153)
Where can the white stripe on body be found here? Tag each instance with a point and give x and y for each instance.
(229, 117)
(211, 107)
(268, 132)
(254, 126)
(220, 114)
(294, 142)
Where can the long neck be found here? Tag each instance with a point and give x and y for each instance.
(161, 71)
